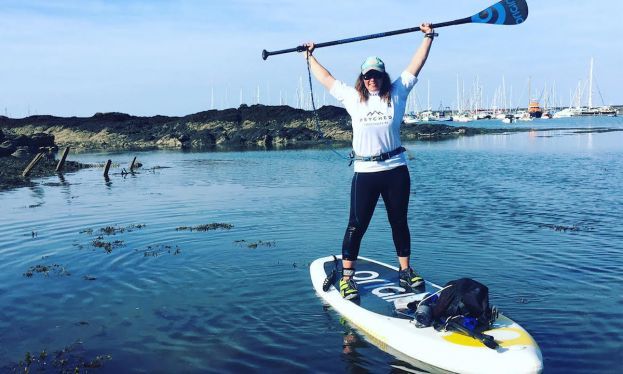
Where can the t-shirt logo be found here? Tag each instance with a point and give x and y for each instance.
(376, 118)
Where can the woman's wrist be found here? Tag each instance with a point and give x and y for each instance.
(431, 35)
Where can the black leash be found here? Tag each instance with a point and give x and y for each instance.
(327, 141)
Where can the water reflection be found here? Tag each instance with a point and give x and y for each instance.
(553, 141)
(37, 192)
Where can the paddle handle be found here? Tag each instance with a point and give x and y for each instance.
(301, 48)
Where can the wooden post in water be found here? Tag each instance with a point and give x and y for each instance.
(107, 168)
(32, 164)
(132, 164)
(61, 163)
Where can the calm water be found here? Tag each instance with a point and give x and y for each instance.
(537, 216)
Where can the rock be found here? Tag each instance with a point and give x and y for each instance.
(21, 141)
(237, 139)
(169, 141)
(265, 141)
(204, 139)
(35, 142)
(41, 140)
(6, 149)
(223, 139)
(111, 117)
(1, 136)
(185, 140)
(21, 152)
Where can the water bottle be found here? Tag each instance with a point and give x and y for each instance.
(423, 316)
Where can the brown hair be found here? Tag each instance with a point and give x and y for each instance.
(384, 92)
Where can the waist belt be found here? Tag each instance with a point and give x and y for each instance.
(381, 157)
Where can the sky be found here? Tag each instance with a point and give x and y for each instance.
(156, 57)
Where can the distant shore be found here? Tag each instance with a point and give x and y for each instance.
(246, 127)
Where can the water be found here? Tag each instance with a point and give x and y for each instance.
(555, 123)
(537, 216)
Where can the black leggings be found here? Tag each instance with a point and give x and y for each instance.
(394, 185)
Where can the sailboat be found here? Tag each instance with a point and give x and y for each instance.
(589, 110)
(604, 110)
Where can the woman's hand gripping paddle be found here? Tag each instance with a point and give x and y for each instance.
(505, 12)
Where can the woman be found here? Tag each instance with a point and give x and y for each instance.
(376, 106)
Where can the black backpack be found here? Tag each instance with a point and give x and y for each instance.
(465, 297)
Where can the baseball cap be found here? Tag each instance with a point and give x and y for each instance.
(372, 63)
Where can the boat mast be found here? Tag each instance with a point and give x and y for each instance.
(458, 95)
(429, 94)
(504, 107)
(529, 90)
(510, 98)
(590, 86)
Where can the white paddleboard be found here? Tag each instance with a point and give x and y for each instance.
(375, 316)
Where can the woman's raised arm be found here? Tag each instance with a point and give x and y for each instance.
(420, 56)
(320, 73)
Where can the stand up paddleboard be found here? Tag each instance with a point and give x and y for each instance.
(378, 315)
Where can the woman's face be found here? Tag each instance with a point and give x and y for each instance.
(373, 80)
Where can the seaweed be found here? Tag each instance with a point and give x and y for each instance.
(253, 245)
(45, 270)
(70, 359)
(206, 227)
(161, 249)
(566, 228)
(107, 246)
(113, 230)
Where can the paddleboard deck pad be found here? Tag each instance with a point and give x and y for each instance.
(380, 313)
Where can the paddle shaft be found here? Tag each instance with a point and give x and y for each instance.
(301, 48)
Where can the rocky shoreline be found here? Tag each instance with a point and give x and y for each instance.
(11, 169)
(256, 125)
(245, 127)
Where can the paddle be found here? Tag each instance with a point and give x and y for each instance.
(505, 12)
(485, 339)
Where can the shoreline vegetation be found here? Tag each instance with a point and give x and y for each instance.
(247, 127)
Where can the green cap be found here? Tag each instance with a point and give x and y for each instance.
(372, 63)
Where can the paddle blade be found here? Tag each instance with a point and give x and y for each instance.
(506, 12)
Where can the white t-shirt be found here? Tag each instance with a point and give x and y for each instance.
(376, 125)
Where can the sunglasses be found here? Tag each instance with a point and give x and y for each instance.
(372, 74)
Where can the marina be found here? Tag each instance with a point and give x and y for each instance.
(507, 115)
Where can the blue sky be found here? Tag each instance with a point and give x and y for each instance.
(148, 57)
